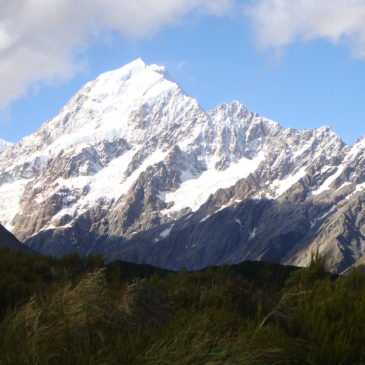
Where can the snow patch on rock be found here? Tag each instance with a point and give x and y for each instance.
(195, 191)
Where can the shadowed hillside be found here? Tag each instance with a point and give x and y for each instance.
(8, 240)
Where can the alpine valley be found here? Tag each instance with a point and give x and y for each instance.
(134, 168)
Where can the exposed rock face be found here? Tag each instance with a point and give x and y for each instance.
(134, 168)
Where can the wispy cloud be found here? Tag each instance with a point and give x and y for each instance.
(277, 23)
(181, 65)
(39, 38)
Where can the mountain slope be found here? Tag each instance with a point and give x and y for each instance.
(9, 241)
(134, 168)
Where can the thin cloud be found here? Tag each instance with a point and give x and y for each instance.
(278, 23)
(181, 65)
(40, 38)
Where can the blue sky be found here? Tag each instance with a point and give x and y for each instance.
(301, 77)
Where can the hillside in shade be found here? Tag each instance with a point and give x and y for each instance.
(7, 240)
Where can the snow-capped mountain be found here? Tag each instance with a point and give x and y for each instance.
(134, 168)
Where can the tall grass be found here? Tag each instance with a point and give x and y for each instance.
(81, 312)
(77, 325)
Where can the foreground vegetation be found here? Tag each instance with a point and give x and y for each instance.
(73, 311)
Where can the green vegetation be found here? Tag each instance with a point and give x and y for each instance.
(80, 311)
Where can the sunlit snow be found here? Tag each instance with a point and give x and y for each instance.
(281, 186)
(107, 184)
(326, 185)
(10, 206)
(194, 192)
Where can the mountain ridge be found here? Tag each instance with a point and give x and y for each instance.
(133, 167)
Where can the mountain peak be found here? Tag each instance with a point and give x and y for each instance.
(132, 69)
(136, 81)
(136, 65)
(123, 103)
(137, 61)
